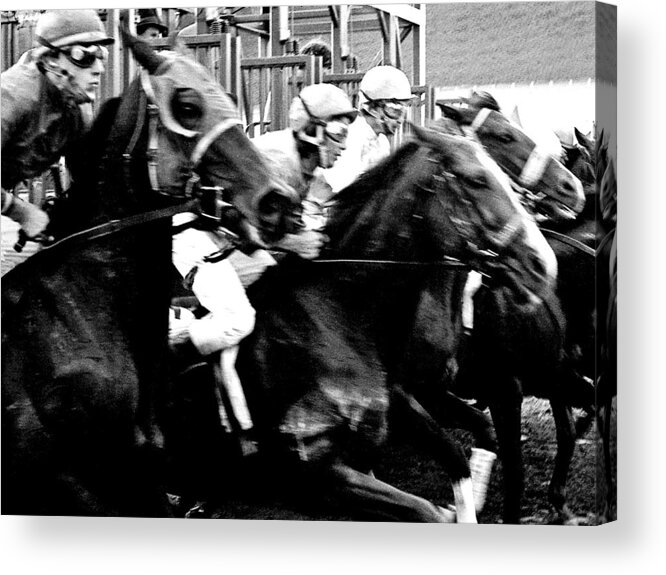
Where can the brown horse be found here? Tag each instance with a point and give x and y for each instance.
(329, 350)
(84, 322)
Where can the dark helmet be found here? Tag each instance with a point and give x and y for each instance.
(149, 19)
(60, 28)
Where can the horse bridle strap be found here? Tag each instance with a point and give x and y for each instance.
(153, 138)
(536, 163)
(479, 119)
(535, 166)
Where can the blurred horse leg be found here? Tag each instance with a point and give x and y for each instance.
(506, 412)
(565, 430)
(445, 449)
(367, 494)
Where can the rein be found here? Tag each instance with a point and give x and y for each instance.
(574, 243)
(114, 227)
(193, 191)
(445, 263)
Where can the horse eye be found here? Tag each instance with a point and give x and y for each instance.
(188, 108)
(505, 138)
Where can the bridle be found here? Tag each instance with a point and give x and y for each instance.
(194, 192)
(537, 162)
(193, 187)
(463, 223)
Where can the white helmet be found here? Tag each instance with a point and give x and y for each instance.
(385, 83)
(319, 103)
(319, 110)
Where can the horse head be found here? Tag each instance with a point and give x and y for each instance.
(196, 142)
(558, 193)
(441, 196)
(494, 232)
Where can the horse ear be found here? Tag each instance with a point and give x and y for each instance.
(608, 194)
(450, 112)
(515, 117)
(582, 139)
(144, 54)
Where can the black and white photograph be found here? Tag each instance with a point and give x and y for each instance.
(328, 264)
(251, 242)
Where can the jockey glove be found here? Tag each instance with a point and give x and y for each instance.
(32, 219)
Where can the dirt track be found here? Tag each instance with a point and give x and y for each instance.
(404, 468)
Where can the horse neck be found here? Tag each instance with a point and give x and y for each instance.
(372, 218)
(123, 188)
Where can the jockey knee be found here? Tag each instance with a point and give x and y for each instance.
(215, 332)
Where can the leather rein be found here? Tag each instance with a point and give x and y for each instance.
(193, 190)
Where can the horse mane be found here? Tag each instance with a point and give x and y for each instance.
(356, 202)
(88, 151)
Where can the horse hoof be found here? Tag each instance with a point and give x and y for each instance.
(447, 515)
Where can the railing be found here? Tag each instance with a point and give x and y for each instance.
(270, 84)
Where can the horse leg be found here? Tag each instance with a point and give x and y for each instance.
(461, 415)
(565, 430)
(369, 495)
(604, 414)
(447, 451)
(506, 413)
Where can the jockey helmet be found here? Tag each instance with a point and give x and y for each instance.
(385, 83)
(319, 103)
(319, 115)
(59, 28)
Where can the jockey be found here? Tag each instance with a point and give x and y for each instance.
(385, 93)
(43, 103)
(318, 120)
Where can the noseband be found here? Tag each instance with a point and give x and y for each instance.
(536, 163)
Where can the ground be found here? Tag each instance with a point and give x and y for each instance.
(403, 467)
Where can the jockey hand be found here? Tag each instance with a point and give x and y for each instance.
(33, 220)
(180, 320)
(307, 244)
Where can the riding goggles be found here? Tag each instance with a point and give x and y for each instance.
(84, 56)
(336, 131)
(394, 110)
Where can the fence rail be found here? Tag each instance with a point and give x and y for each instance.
(263, 87)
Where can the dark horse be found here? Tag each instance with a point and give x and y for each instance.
(84, 322)
(328, 353)
(564, 373)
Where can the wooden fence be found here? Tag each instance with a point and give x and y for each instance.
(263, 87)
